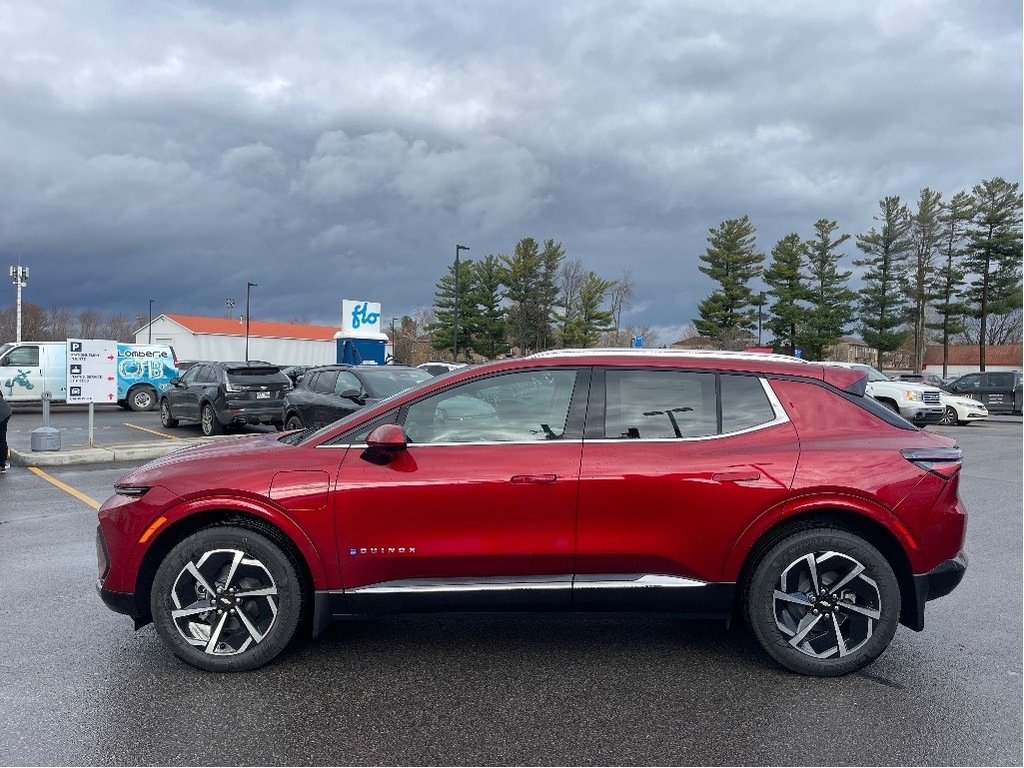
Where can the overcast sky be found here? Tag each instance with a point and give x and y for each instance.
(175, 151)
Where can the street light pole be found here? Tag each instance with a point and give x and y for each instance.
(151, 321)
(248, 286)
(455, 333)
(19, 278)
(760, 304)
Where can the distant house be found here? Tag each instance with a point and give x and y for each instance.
(221, 338)
(965, 358)
(850, 349)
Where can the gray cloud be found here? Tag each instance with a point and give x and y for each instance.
(329, 151)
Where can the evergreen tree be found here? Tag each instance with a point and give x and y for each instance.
(926, 232)
(882, 299)
(783, 278)
(727, 315)
(488, 332)
(530, 280)
(589, 320)
(829, 298)
(948, 280)
(994, 253)
(442, 330)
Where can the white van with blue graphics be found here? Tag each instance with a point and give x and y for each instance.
(29, 368)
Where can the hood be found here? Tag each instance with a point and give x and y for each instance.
(246, 449)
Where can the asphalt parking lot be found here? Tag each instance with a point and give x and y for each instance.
(79, 686)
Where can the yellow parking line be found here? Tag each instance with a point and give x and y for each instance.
(151, 431)
(65, 487)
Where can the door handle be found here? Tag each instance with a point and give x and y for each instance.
(736, 476)
(533, 479)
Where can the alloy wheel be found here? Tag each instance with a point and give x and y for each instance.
(826, 605)
(224, 602)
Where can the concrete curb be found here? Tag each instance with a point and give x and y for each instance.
(105, 454)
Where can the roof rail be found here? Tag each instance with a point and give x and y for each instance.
(644, 351)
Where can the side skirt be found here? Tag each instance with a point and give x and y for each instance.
(584, 593)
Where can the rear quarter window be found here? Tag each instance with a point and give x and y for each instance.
(744, 404)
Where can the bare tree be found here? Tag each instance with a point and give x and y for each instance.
(90, 323)
(59, 322)
(621, 298)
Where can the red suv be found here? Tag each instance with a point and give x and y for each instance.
(708, 484)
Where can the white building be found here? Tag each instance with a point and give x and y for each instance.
(220, 338)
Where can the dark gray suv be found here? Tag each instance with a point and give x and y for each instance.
(219, 395)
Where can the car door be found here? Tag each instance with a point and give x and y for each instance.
(479, 511)
(336, 406)
(675, 465)
(182, 397)
(997, 390)
(317, 400)
(21, 373)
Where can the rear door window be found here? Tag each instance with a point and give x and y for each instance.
(655, 405)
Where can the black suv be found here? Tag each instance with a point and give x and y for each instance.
(219, 395)
(1000, 391)
(329, 392)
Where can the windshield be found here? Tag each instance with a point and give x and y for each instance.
(384, 382)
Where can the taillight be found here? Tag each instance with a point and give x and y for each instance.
(944, 462)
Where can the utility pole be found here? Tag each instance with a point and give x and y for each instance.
(151, 321)
(247, 287)
(19, 277)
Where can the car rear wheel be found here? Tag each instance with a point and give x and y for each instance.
(142, 398)
(293, 422)
(949, 416)
(226, 599)
(823, 602)
(208, 421)
(165, 414)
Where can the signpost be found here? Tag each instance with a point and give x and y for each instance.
(92, 374)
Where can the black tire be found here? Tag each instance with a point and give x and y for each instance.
(949, 416)
(293, 422)
(801, 633)
(230, 631)
(208, 423)
(142, 398)
(165, 414)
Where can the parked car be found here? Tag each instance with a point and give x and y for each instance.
(1000, 391)
(919, 404)
(436, 369)
(931, 379)
(962, 410)
(295, 372)
(329, 392)
(220, 395)
(705, 483)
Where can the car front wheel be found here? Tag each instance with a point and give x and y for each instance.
(226, 599)
(823, 602)
(949, 416)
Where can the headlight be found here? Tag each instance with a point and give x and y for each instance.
(913, 394)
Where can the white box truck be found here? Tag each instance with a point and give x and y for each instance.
(29, 368)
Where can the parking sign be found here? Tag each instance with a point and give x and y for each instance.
(92, 371)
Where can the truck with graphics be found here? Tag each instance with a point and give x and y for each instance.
(29, 368)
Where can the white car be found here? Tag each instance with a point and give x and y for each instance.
(961, 409)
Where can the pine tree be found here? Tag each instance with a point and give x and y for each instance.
(882, 299)
(488, 332)
(727, 315)
(926, 232)
(994, 253)
(531, 288)
(442, 330)
(783, 278)
(829, 298)
(948, 280)
(589, 320)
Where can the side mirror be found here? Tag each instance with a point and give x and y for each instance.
(176, 381)
(351, 394)
(384, 443)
